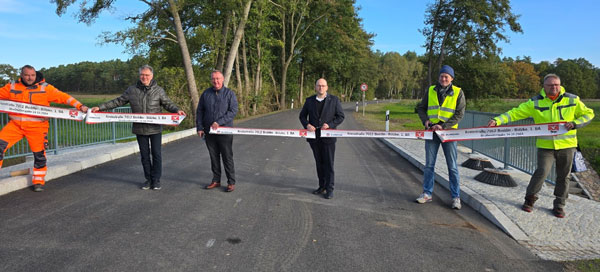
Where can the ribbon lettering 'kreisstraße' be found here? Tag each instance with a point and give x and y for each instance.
(481, 133)
(41, 111)
(297, 133)
(147, 118)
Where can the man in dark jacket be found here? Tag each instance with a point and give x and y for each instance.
(217, 107)
(322, 111)
(146, 97)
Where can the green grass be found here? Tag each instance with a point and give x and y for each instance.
(403, 117)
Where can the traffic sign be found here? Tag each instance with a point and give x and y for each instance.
(364, 87)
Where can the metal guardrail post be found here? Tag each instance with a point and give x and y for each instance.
(113, 127)
(472, 141)
(55, 124)
(506, 152)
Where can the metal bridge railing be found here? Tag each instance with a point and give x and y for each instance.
(519, 153)
(65, 134)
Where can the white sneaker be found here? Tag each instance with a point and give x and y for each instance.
(456, 203)
(424, 198)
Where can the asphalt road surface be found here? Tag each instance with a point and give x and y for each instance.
(99, 220)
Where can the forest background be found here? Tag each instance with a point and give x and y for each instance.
(272, 51)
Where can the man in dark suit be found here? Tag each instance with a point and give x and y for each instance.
(322, 111)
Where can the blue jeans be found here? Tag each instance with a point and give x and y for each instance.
(431, 150)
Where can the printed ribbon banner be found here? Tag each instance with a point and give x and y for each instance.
(41, 111)
(480, 133)
(296, 133)
(171, 119)
(409, 134)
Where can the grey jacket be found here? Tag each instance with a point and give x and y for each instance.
(143, 99)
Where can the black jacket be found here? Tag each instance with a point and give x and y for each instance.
(332, 114)
(143, 99)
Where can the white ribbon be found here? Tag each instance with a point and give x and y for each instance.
(147, 118)
(41, 111)
(480, 133)
(296, 133)
(408, 134)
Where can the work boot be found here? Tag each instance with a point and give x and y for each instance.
(528, 205)
(38, 188)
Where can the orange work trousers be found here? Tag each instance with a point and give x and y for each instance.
(37, 137)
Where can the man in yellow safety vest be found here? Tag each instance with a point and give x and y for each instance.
(553, 104)
(442, 107)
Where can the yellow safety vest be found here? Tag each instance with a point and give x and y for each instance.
(566, 108)
(437, 113)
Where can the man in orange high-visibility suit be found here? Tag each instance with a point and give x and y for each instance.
(32, 88)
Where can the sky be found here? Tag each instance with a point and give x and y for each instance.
(33, 34)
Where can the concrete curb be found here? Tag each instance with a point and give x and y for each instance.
(77, 160)
(476, 201)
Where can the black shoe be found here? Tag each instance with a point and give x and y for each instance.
(329, 194)
(319, 191)
(156, 185)
(38, 188)
(146, 185)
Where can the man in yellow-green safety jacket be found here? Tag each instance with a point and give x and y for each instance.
(553, 104)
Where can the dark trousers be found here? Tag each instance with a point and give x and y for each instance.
(220, 146)
(564, 162)
(151, 143)
(324, 156)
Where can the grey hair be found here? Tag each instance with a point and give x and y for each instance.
(26, 67)
(551, 75)
(215, 71)
(146, 67)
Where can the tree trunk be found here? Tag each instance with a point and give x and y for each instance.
(434, 31)
(300, 100)
(240, 89)
(236, 43)
(258, 74)
(274, 86)
(185, 54)
(246, 77)
(223, 46)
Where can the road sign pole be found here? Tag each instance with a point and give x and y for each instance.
(364, 105)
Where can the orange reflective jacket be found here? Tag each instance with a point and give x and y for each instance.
(40, 93)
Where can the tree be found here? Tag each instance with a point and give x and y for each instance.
(577, 76)
(233, 51)
(465, 28)
(7, 73)
(295, 19)
(526, 78)
(162, 9)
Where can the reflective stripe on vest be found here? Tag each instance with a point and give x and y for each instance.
(437, 113)
(28, 119)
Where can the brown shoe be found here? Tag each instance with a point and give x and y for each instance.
(213, 185)
(529, 201)
(230, 188)
(558, 212)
